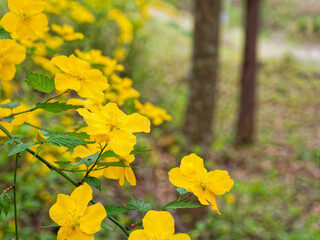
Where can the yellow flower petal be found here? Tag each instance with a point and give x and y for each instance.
(191, 165)
(211, 198)
(7, 71)
(178, 179)
(200, 193)
(122, 142)
(9, 22)
(131, 178)
(82, 196)
(181, 236)
(111, 172)
(39, 22)
(138, 235)
(62, 63)
(63, 210)
(219, 182)
(158, 222)
(136, 123)
(64, 81)
(73, 234)
(90, 222)
(112, 108)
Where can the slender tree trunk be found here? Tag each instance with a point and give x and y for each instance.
(199, 113)
(246, 116)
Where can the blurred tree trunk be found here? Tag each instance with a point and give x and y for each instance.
(247, 106)
(202, 85)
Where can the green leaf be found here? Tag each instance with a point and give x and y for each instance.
(112, 164)
(62, 163)
(180, 204)
(20, 148)
(56, 107)
(93, 182)
(181, 190)
(139, 205)
(140, 151)
(10, 141)
(40, 82)
(82, 135)
(4, 34)
(50, 226)
(114, 210)
(64, 140)
(5, 202)
(87, 160)
(110, 153)
(8, 119)
(106, 226)
(10, 105)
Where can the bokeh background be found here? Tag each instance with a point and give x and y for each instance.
(277, 189)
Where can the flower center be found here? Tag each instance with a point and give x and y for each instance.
(25, 17)
(202, 179)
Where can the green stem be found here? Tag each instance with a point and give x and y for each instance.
(34, 108)
(56, 96)
(50, 166)
(15, 196)
(93, 165)
(18, 113)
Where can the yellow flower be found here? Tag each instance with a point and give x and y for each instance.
(126, 27)
(89, 83)
(121, 173)
(123, 90)
(158, 225)
(156, 114)
(46, 64)
(11, 53)
(67, 32)
(77, 220)
(115, 127)
(25, 17)
(80, 14)
(205, 185)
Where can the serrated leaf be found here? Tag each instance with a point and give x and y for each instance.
(64, 140)
(20, 148)
(10, 141)
(4, 34)
(62, 162)
(112, 164)
(56, 107)
(106, 226)
(8, 119)
(181, 190)
(5, 202)
(10, 105)
(139, 205)
(110, 153)
(87, 160)
(114, 210)
(50, 226)
(40, 82)
(82, 135)
(180, 204)
(93, 182)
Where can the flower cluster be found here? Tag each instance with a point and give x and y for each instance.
(192, 176)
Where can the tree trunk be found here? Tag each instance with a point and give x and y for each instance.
(202, 85)
(246, 116)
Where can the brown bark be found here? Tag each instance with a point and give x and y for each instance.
(247, 107)
(202, 85)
